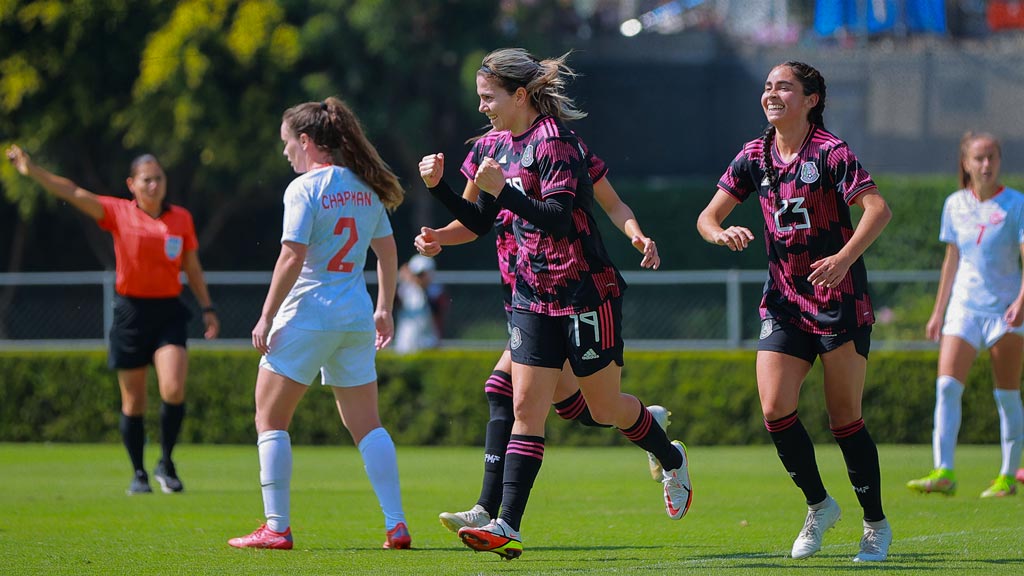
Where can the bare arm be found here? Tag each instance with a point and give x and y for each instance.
(622, 216)
(286, 272)
(387, 279)
(59, 186)
(1014, 315)
(950, 264)
(709, 223)
(831, 270)
(196, 281)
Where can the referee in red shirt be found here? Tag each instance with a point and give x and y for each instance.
(153, 242)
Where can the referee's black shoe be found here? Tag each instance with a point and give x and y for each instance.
(140, 484)
(167, 477)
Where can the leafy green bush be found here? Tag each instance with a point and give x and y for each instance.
(437, 398)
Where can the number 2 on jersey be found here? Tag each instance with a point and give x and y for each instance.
(792, 208)
(337, 264)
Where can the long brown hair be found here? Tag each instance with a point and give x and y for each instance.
(544, 80)
(334, 128)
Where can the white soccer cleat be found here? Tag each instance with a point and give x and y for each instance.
(660, 414)
(874, 545)
(475, 517)
(677, 488)
(817, 523)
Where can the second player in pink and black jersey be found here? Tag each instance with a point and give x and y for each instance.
(807, 218)
(505, 240)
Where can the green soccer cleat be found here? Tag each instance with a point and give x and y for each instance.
(941, 481)
(1002, 486)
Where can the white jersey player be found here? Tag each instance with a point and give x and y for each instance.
(980, 304)
(318, 316)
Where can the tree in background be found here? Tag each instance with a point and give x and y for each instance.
(85, 85)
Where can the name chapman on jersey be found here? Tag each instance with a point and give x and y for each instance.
(355, 197)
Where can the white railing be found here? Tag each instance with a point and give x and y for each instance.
(710, 308)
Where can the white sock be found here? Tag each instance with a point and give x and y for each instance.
(948, 394)
(381, 463)
(275, 447)
(1011, 428)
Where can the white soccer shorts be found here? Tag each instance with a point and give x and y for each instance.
(344, 359)
(979, 330)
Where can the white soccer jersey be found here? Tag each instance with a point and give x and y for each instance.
(988, 235)
(336, 215)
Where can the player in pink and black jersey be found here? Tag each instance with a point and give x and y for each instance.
(566, 300)
(569, 402)
(816, 299)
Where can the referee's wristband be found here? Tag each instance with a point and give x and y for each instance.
(210, 308)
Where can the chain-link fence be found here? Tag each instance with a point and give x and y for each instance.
(663, 309)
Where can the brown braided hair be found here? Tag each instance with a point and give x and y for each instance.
(813, 83)
(334, 128)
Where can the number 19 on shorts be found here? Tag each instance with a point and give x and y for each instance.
(587, 318)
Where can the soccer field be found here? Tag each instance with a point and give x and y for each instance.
(593, 511)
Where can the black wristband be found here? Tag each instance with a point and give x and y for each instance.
(210, 308)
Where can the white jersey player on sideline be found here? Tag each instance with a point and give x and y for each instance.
(318, 316)
(979, 304)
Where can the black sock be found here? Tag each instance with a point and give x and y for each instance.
(575, 408)
(522, 463)
(499, 428)
(796, 450)
(861, 457)
(134, 436)
(647, 434)
(171, 417)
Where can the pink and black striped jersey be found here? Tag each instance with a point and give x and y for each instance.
(505, 240)
(807, 219)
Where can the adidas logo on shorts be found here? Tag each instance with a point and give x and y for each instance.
(590, 355)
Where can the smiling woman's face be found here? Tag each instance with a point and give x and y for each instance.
(783, 99)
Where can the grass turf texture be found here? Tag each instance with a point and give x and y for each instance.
(593, 511)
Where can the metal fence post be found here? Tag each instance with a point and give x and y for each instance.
(108, 302)
(732, 307)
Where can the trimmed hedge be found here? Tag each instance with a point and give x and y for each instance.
(436, 398)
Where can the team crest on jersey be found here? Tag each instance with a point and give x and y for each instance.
(766, 329)
(527, 158)
(809, 172)
(172, 247)
(515, 340)
(997, 218)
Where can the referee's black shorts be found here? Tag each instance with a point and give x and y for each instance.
(141, 326)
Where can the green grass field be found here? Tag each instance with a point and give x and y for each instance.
(593, 511)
